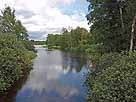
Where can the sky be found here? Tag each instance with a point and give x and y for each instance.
(43, 17)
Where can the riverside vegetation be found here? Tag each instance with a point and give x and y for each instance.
(111, 45)
(113, 75)
(16, 51)
(75, 40)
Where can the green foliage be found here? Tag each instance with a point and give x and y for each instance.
(14, 59)
(113, 75)
(53, 41)
(9, 24)
(76, 40)
(16, 51)
(28, 45)
(38, 42)
(113, 79)
(110, 27)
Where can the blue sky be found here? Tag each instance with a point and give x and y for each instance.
(41, 17)
(79, 6)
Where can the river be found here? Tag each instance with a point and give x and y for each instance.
(56, 77)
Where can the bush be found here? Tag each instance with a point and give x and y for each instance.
(29, 45)
(14, 59)
(113, 79)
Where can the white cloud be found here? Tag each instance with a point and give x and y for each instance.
(45, 15)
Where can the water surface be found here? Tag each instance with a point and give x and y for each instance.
(56, 77)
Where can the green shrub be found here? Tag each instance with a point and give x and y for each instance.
(14, 59)
(28, 45)
(113, 79)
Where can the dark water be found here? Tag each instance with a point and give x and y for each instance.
(56, 77)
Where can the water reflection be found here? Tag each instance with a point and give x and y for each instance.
(73, 62)
(56, 77)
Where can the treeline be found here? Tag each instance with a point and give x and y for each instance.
(112, 77)
(38, 42)
(76, 40)
(16, 51)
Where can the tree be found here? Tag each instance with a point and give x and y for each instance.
(74, 40)
(8, 20)
(14, 60)
(132, 33)
(9, 24)
(112, 76)
(111, 23)
(20, 31)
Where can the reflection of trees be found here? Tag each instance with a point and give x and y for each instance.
(73, 62)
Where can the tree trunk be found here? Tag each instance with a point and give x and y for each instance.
(121, 18)
(132, 34)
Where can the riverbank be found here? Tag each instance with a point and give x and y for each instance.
(112, 78)
(9, 94)
(16, 50)
(15, 60)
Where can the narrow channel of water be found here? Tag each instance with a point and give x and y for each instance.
(56, 77)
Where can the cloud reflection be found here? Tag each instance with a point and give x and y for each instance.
(50, 78)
